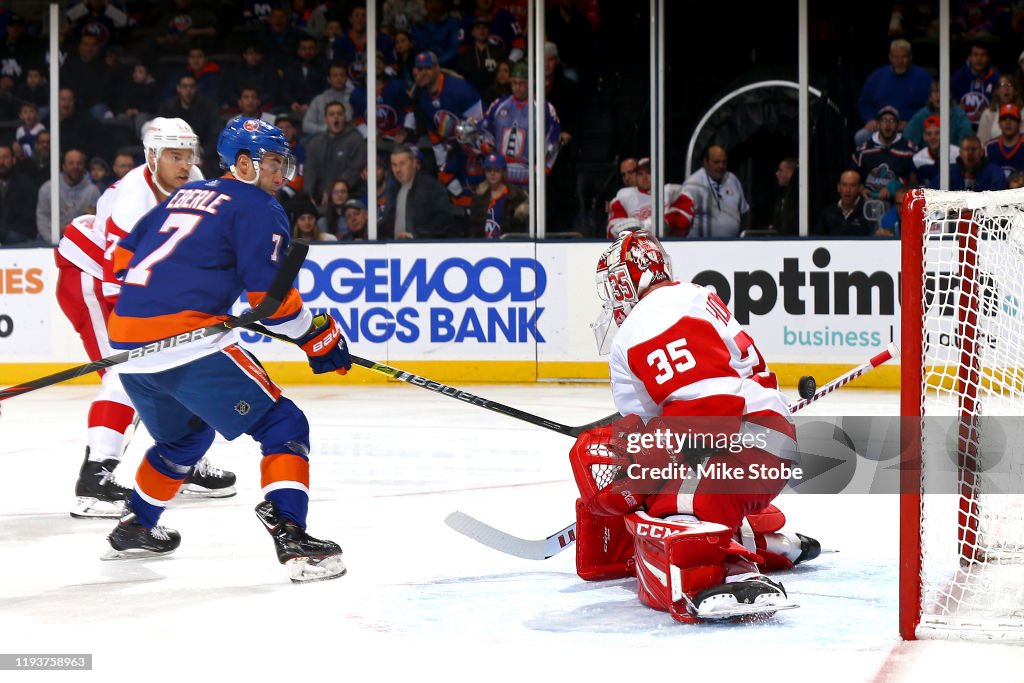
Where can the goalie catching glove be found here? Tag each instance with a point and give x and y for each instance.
(325, 346)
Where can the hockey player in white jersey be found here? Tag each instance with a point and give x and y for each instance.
(696, 542)
(634, 204)
(87, 300)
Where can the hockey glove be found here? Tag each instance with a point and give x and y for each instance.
(325, 346)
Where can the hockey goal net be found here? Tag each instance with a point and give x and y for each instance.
(962, 508)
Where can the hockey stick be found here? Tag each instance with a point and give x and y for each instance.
(282, 283)
(457, 394)
(544, 548)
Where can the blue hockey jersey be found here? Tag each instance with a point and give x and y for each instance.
(189, 259)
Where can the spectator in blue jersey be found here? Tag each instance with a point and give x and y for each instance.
(846, 217)
(974, 83)
(972, 171)
(339, 89)
(886, 159)
(338, 152)
(1007, 151)
(438, 33)
(901, 84)
(890, 226)
(441, 101)
(497, 208)
(350, 46)
(505, 32)
(926, 159)
(417, 206)
(395, 119)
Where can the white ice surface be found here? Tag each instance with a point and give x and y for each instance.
(388, 463)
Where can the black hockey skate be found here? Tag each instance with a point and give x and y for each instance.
(206, 481)
(757, 596)
(307, 558)
(131, 540)
(99, 495)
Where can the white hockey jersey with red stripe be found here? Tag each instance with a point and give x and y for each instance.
(87, 239)
(632, 202)
(681, 352)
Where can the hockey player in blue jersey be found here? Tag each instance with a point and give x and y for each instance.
(182, 267)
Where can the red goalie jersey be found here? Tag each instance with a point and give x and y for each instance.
(680, 360)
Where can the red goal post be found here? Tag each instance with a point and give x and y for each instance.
(962, 388)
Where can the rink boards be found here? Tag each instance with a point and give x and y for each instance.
(521, 311)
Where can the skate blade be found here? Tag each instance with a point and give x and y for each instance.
(738, 611)
(94, 508)
(308, 570)
(134, 554)
(196, 491)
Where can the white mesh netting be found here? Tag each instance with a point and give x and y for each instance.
(972, 403)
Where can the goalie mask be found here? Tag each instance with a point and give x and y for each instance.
(634, 262)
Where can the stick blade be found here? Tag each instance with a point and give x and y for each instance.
(487, 535)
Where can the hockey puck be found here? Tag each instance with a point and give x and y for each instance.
(807, 386)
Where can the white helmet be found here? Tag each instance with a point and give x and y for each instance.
(164, 133)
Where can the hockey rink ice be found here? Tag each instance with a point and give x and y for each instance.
(389, 462)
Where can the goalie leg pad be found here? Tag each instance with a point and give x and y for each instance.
(604, 549)
(676, 560)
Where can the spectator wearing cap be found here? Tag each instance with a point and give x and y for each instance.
(926, 159)
(497, 208)
(441, 102)
(438, 33)
(1007, 92)
(339, 89)
(634, 202)
(503, 29)
(901, 84)
(417, 206)
(914, 130)
(305, 220)
(973, 84)
(886, 159)
(356, 218)
(506, 129)
(338, 152)
(478, 59)
(972, 171)
(1007, 150)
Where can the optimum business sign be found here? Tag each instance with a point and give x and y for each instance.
(434, 301)
(821, 301)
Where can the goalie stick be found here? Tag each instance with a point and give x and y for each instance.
(282, 283)
(544, 548)
(457, 394)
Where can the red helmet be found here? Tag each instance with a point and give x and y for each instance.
(634, 262)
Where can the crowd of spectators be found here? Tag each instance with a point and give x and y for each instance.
(451, 105)
(451, 92)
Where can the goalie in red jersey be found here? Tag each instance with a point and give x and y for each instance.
(679, 491)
